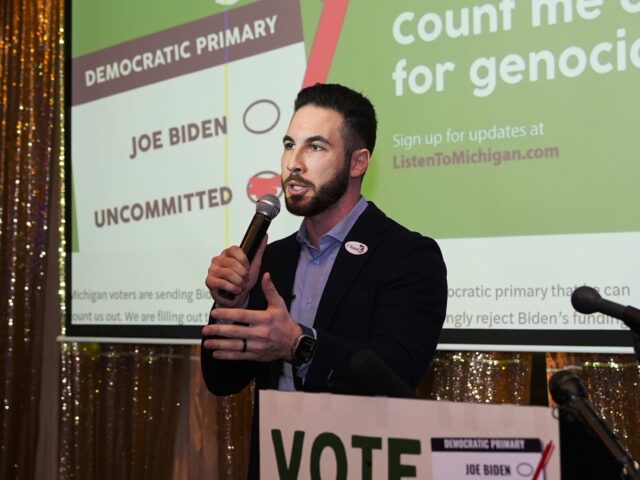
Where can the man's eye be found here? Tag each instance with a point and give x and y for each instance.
(315, 147)
(288, 145)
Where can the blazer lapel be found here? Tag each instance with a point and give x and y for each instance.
(283, 268)
(347, 265)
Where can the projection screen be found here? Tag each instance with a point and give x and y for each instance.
(507, 131)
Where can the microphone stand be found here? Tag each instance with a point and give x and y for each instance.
(582, 409)
(636, 343)
(569, 393)
(631, 318)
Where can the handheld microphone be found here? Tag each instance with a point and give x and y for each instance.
(267, 209)
(568, 391)
(588, 300)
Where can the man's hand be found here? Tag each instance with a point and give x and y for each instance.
(269, 334)
(231, 271)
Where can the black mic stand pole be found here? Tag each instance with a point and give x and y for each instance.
(631, 318)
(569, 393)
(578, 407)
(636, 344)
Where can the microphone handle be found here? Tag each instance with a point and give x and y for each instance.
(610, 308)
(628, 314)
(631, 318)
(251, 241)
(255, 233)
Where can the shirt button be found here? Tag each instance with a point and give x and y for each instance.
(308, 300)
(316, 261)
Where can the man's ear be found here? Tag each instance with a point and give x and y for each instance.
(359, 162)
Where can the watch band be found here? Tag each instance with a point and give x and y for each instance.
(307, 330)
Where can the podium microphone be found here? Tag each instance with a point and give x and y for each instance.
(588, 300)
(369, 375)
(267, 209)
(568, 391)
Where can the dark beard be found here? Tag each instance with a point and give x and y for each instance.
(326, 196)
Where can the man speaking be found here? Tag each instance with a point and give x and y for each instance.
(350, 279)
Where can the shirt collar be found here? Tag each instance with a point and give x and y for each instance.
(341, 229)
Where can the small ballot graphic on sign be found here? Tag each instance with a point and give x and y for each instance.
(472, 457)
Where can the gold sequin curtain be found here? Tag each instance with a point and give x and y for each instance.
(130, 411)
(30, 152)
(119, 410)
(71, 410)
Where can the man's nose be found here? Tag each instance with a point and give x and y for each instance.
(295, 164)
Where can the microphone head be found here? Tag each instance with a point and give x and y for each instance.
(585, 299)
(564, 386)
(268, 205)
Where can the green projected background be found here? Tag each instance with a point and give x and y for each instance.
(507, 131)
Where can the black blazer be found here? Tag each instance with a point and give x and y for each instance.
(390, 300)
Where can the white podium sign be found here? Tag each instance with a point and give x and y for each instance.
(324, 436)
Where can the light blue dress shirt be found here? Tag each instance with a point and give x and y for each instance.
(314, 267)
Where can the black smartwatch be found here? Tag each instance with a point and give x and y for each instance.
(304, 348)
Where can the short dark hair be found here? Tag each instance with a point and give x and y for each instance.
(360, 124)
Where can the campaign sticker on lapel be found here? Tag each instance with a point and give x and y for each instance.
(356, 248)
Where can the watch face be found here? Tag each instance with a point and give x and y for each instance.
(305, 349)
